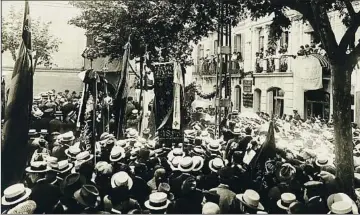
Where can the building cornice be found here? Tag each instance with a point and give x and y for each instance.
(275, 74)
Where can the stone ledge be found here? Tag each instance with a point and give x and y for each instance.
(277, 74)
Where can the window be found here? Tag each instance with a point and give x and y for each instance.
(284, 38)
(200, 51)
(215, 47)
(261, 39)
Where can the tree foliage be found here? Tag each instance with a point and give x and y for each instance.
(170, 25)
(43, 42)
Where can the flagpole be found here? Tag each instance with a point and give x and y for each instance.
(94, 115)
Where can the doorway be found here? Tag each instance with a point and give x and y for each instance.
(276, 101)
(317, 104)
(237, 105)
(257, 100)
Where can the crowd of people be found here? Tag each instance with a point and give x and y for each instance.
(313, 49)
(206, 174)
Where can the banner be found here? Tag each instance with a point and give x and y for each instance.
(178, 84)
(164, 103)
(122, 93)
(308, 73)
(18, 110)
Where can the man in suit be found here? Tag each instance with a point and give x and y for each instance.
(223, 190)
(246, 140)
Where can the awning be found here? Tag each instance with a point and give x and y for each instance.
(324, 62)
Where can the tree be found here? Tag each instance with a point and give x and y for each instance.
(170, 25)
(43, 43)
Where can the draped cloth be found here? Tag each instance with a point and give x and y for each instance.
(308, 73)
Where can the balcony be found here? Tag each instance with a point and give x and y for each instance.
(209, 70)
(274, 64)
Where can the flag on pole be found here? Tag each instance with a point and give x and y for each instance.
(267, 150)
(18, 109)
(122, 92)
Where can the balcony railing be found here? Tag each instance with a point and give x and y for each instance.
(207, 69)
(274, 64)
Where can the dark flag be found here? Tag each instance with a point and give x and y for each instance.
(122, 92)
(18, 110)
(267, 150)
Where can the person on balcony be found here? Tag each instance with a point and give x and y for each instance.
(258, 62)
(302, 51)
(321, 50)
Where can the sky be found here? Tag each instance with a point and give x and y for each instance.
(59, 13)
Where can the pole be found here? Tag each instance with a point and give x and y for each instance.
(142, 60)
(230, 56)
(94, 115)
(221, 59)
(217, 132)
(226, 58)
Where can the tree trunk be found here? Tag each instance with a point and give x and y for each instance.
(344, 161)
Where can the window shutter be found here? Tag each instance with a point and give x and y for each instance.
(235, 43)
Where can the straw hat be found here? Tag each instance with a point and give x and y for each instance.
(198, 163)
(210, 208)
(14, 194)
(121, 179)
(174, 163)
(341, 207)
(63, 166)
(37, 98)
(122, 143)
(67, 137)
(157, 201)
(347, 204)
(117, 153)
(322, 161)
(175, 152)
(103, 168)
(37, 167)
(132, 134)
(72, 151)
(285, 200)
(83, 157)
(186, 164)
(27, 207)
(214, 146)
(251, 199)
(216, 164)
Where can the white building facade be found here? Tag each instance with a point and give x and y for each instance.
(277, 91)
